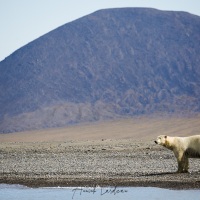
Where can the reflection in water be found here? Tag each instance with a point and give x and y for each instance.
(18, 192)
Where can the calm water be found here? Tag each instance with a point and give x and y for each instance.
(17, 192)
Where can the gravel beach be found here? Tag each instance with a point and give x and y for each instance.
(106, 162)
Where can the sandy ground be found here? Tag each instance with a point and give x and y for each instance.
(140, 128)
(118, 153)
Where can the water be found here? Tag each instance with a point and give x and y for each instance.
(18, 192)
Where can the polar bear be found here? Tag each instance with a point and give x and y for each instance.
(183, 148)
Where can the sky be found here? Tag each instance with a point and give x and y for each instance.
(22, 21)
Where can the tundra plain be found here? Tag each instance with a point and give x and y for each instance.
(114, 153)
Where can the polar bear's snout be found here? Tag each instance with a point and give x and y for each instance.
(156, 142)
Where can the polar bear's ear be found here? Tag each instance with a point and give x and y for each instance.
(165, 137)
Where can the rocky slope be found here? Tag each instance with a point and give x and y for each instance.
(111, 63)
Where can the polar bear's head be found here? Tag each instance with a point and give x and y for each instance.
(165, 141)
(161, 140)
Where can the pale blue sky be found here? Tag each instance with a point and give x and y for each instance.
(22, 21)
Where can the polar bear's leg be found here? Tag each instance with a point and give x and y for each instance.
(181, 160)
(182, 163)
(180, 167)
(179, 157)
(186, 165)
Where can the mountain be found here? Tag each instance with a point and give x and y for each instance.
(109, 64)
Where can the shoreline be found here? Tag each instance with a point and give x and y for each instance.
(32, 183)
(121, 163)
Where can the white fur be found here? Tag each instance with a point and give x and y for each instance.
(183, 148)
